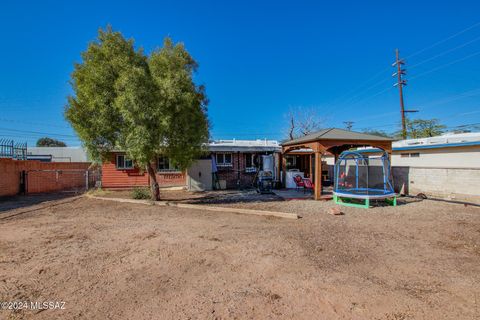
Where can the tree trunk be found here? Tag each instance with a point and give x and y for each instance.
(154, 188)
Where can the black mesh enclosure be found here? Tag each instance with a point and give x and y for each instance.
(363, 175)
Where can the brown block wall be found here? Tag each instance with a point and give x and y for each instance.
(72, 176)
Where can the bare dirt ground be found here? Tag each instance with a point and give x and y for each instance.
(107, 260)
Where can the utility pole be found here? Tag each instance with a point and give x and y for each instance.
(349, 125)
(400, 83)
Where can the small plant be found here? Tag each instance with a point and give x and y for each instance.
(141, 193)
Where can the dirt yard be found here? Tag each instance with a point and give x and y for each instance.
(108, 260)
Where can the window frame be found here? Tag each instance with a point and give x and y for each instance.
(410, 155)
(125, 160)
(170, 168)
(223, 156)
(252, 167)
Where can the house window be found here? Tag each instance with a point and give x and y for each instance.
(404, 155)
(414, 155)
(123, 162)
(224, 159)
(164, 165)
(250, 163)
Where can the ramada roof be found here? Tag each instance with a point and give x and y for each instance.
(335, 134)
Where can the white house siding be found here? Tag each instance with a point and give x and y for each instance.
(449, 173)
(60, 154)
(457, 157)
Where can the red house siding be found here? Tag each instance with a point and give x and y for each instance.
(129, 178)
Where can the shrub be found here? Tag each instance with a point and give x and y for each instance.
(141, 193)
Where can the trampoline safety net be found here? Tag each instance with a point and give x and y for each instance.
(362, 175)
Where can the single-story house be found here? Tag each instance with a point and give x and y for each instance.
(237, 162)
(445, 166)
(118, 171)
(450, 150)
(57, 154)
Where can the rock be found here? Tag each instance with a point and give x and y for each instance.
(335, 211)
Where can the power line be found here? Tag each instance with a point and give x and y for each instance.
(445, 65)
(351, 92)
(443, 40)
(38, 132)
(444, 53)
(462, 95)
(371, 96)
(28, 137)
(33, 123)
(352, 99)
(465, 94)
(417, 53)
(442, 118)
(417, 76)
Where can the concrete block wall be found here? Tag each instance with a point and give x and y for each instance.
(52, 181)
(461, 184)
(9, 177)
(61, 176)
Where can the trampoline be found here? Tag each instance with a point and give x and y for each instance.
(361, 177)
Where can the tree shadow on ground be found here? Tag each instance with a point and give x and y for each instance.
(19, 202)
(242, 196)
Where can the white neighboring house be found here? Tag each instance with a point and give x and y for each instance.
(446, 151)
(57, 154)
(446, 166)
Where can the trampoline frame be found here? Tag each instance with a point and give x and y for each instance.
(346, 198)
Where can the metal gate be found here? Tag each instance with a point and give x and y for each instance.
(59, 180)
(13, 150)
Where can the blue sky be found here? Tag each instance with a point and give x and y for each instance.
(258, 59)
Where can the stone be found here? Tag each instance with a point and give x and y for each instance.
(335, 211)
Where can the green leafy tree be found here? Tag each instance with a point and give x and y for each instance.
(421, 128)
(49, 142)
(143, 105)
(380, 133)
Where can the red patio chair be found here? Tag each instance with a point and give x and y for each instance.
(298, 181)
(308, 185)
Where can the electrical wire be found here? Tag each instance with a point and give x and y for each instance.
(443, 53)
(33, 123)
(443, 40)
(38, 132)
(351, 92)
(445, 65)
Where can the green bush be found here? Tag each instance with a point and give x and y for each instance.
(141, 193)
